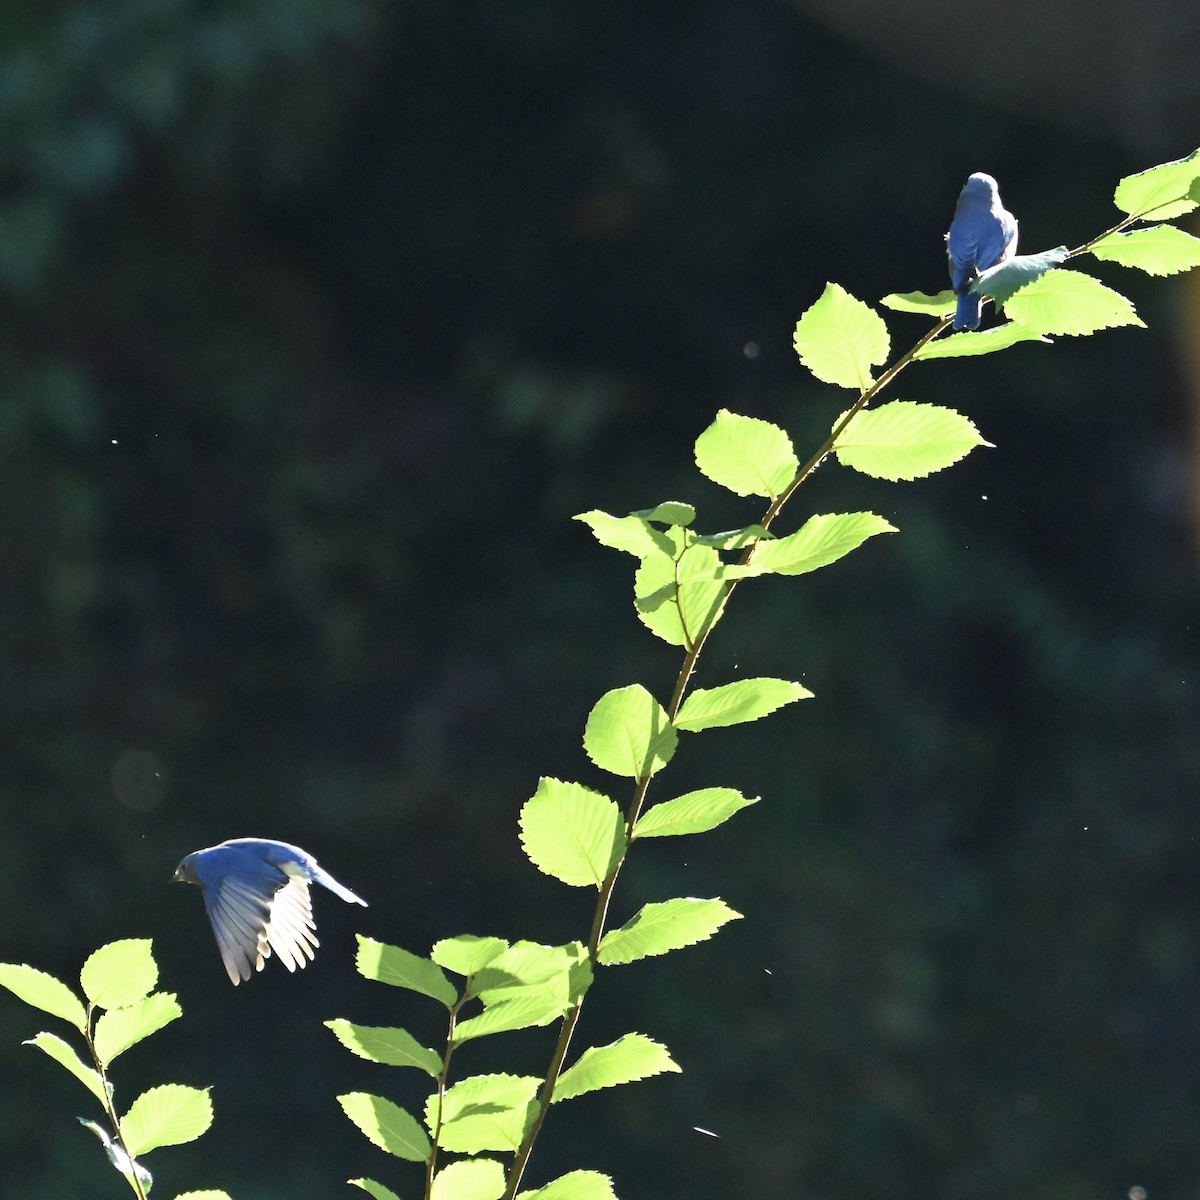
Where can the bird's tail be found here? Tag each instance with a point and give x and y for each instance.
(338, 889)
(970, 311)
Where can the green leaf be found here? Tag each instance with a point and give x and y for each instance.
(485, 1112)
(905, 440)
(166, 1116)
(630, 534)
(400, 968)
(527, 1010)
(576, 1185)
(561, 973)
(695, 812)
(66, 1056)
(382, 1044)
(470, 1179)
(387, 1125)
(959, 345)
(938, 305)
(572, 833)
(206, 1194)
(821, 540)
(1159, 250)
(629, 1058)
(466, 954)
(669, 925)
(748, 456)
(377, 1190)
(1162, 192)
(736, 703)
(1001, 281)
(839, 339)
(119, 973)
(735, 539)
(43, 991)
(670, 512)
(1071, 303)
(120, 1028)
(118, 1157)
(628, 733)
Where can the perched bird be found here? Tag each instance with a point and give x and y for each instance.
(982, 234)
(256, 894)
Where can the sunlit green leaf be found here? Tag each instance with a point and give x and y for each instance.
(578, 1185)
(387, 1125)
(669, 925)
(118, 1156)
(572, 833)
(632, 534)
(400, 968)
(470, 1179)
(525, 1010)
(670, 512)
(1069, 302)
(628, 733)
(43, 991)
(695, 812)
(561, 973)
(629, 1058)
(904, 440)
(120, 1028)
(166, 1116)
(373, 1189)
(119, 973)
(1162, 192)
(485, 1112)
(746, 455)
(206, 1194)
(1001, 281)
(839, 339)
(1159, 250)
(736, 703)
(940, 304)
(734, 539)
(466, 954)
(65, 1055)
(383, 1044)
(821, 540)
(989, 341)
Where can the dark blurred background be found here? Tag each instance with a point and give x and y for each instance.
(321, 318)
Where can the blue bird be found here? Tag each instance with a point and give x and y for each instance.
(982, 234)
(256, 894)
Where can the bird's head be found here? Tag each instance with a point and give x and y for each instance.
(186, 871)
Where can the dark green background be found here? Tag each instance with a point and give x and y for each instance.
(320, 321)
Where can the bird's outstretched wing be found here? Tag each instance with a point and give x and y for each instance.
(251, 916)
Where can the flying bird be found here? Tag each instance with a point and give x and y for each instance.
(256, 894)
(982, 234)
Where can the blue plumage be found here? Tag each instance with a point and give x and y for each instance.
(982, 234)
(256, 894)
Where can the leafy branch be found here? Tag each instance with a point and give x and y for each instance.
(682, 586)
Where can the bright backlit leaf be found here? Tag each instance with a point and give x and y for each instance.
(748, 456)
(466, 954)
(470, 1179)
(960, 345)
(387, 1125)
(66, 1056)
(376, 1190)
(1002, 281)
(1159, 250)
(940, 304)
(119, 973)
(1162, 192)
(839, 339)
(628, 733)
(821, 540)
(400, 968)
(669, 925)
(632, 534)
(905, 440)
(629, 1058)
(736, 703)
(695, 812)
(577, 1185)
(43, 991)
(120, 1028)
(166, 1116)
(383, 1044)
(572, 833)
(669, 512)
(1069, 302)
(485, 1112)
